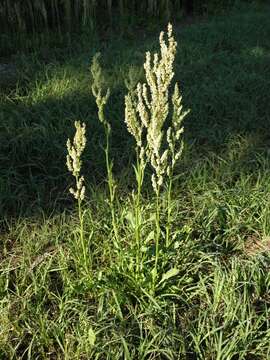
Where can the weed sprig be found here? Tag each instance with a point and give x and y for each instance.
(145, 115)
(102, 95)
(74, 164)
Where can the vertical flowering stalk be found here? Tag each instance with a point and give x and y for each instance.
(146, 114)
(175, 145)
(136, 129)
(74, 163)
(101, 101)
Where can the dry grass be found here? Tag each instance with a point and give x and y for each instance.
(255, 246)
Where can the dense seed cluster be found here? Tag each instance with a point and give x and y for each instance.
(99, 93)
(74, 162)
(147, 112)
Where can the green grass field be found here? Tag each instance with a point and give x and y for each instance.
(211, 299)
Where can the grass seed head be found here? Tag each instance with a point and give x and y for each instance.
(74, 163)
(147, 112)
(98, 88)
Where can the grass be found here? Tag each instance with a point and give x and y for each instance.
(39, 17)
(217, 305)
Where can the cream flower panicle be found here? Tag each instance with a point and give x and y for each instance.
(147, 112)
(101, 95)
(74, 163)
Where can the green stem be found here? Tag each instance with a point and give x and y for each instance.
(169, 213)
(139, 178)
(111, 185)
(84, 251)
(157, 237)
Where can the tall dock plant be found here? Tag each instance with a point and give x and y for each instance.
(75, 149)
(146, 113)
(102, 95)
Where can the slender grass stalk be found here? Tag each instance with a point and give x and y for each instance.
(67, 7)
(30, 9)
(15, 15)
(139, 172)
(101, 101)
(176, 145)
(169, 212)
(57, 18)
(82, 240)
(109, 6)
(111, 183)
(157, 240)
(136, 130)
(19, 17)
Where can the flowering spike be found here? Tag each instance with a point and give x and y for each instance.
(147, 112)
(75, 150)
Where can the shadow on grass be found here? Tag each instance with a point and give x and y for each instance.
(224, 71)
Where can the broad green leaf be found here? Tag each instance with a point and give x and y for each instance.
(169, 274)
